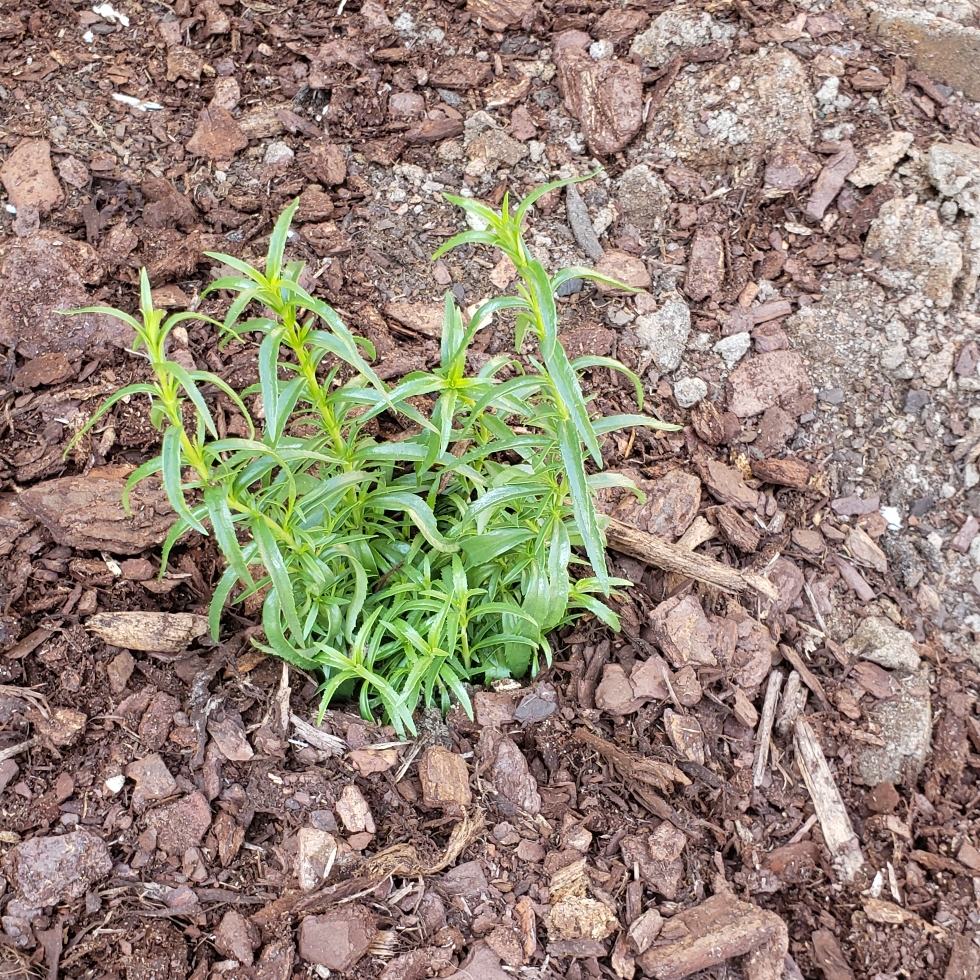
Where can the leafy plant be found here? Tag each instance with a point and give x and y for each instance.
(404, 571)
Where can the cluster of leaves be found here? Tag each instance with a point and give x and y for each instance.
(405, 570)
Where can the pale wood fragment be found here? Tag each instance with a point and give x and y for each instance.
(838, 833)
(318, 738)
(672, 558)
(765, 727)
(806, 675)
(794, 699)
(157, 632)
(697, 534)
(719, 929)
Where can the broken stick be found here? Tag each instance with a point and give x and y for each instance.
(655, 551)
(765, 728)
(842, 842)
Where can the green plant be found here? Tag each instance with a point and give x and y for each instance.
(402, 570)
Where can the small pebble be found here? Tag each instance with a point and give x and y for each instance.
(689, 391)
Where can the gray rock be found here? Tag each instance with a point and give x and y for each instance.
(733, 348)
(877, 160)
(643, 198)
(954, 169)
(278, 152)
(879, 640)
(46, 870)
(675, 31)
(495, 148)
(839, 334)
(911, 243)
(938, 366)
(601, 50)
(705, 121)
(905, 724)
(665, 333)
(689, 391)
(945, 51)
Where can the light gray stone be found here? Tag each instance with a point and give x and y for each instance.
(665, 333)
(879, 640)
(954, 169)
(904, 723)
(878, 159)
(675, 31)
(736, 111)
(910, 241)
(689, 391)
(733, 348)
(278, 153)
(643, 198)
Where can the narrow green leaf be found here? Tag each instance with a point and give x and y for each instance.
(136, 389)
(187, 383)
(465, 238)
(613, 423)
(107, 311)
(492, 544)
(224, 532)
(282, 647)
(538, 192)
(173, 481)
(585, 515)
(275, 420)
(418, 512)
(149, 468)
(583, 272)
(240, 265)
(278, 571)
(580, 363)
(226, 583)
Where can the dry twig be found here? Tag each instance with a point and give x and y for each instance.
(655, 551)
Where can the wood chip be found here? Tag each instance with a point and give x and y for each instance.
(354, 812)
(828, 956)
(745, 712)
(655, 551)
(765, 727)
(685, 735)
(735, 529)
(319, 739)
(782, 472)
(853, 579)
(806, 675)
(838, 833)
(727, 484)
(720, 928)
(445, 779)
(157, 632)
(662, 775)
(864, 551)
